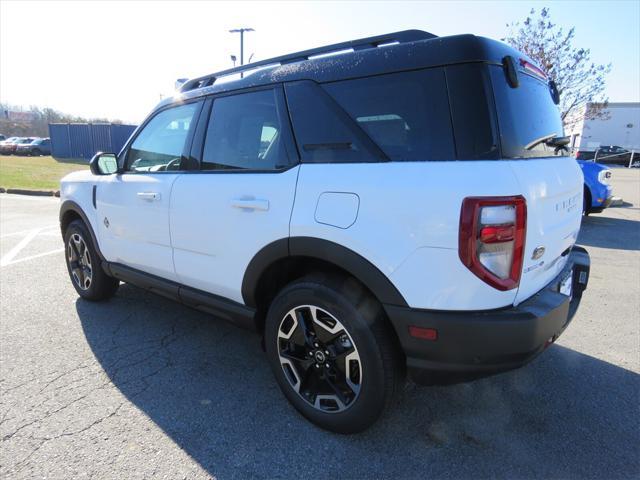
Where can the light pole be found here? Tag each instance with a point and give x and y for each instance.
(241, 31)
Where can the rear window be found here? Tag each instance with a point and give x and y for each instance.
(526, 115)
(406, 114)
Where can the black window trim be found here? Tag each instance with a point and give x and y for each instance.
(197, 147)
(185, 166)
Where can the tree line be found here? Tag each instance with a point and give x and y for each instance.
(37, 119)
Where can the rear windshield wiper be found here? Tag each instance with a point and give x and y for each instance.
(551, 140)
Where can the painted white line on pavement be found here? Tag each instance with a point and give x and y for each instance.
(22, 232)
(32, 257)
(10, 255)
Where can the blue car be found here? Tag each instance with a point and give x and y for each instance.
(597, 191)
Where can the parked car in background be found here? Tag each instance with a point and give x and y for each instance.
(4, 145)
(606, 154)
(2, 138)
(7, 141)
(40, 146)
(613, 154)
(597, 190)
(9, 147)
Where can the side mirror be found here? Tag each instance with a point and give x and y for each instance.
(104, 163)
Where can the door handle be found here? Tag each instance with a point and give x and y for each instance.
(149, 196)
(250, 204)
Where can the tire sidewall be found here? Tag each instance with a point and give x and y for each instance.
(358, 322)
(80, 229)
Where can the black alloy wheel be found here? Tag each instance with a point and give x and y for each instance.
(319, 358)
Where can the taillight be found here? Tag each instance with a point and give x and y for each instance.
(491, 239)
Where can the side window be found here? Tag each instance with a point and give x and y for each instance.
(406, 114)
(323, 131)
(245, 132)
(160, 144)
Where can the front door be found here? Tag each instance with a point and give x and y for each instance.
(133, 206)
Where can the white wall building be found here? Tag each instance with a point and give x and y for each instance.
(620, 127)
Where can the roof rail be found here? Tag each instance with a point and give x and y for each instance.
(405, 36)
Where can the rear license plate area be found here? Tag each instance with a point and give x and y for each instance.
(565, 287)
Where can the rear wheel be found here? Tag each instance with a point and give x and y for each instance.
(83, 265)
(332, 355)
(36, 153)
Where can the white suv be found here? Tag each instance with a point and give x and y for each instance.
(400, 206)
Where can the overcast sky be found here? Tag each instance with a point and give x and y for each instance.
(114, 59)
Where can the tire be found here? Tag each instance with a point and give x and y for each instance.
(349, 328)
(586, 202)
(83, 265)
(36, 153)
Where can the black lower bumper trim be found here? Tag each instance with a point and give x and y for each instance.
(477, 343)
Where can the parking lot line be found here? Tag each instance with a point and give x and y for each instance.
(23, 232)
(10, 255)
(32, 257)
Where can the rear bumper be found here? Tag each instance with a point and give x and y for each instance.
(472, 344)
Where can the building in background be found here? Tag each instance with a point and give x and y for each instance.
(24, 117)
(83, 140)
(619, 126)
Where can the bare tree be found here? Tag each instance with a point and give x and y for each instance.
(578, 79)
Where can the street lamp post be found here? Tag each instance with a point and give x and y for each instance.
(241, 32)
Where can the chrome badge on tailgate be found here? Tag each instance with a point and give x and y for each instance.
(569, 204)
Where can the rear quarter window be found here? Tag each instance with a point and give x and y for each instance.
(472, 112)
(406, 114)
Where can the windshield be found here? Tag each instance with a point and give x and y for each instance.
(527, 116)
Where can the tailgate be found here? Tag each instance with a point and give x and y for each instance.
(553, 188)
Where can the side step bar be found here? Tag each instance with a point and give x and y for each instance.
(221, 307)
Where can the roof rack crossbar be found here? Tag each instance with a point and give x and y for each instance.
(404, 36)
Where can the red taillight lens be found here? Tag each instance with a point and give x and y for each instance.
(491, 239)
(497, 234)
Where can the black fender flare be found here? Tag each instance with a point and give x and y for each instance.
(71, 206)
(353, 263)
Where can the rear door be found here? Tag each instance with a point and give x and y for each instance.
(242, 197)
(550, 180)
(133, 206)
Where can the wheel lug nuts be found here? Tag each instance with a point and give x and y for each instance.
(316, 345)
(326, 352)
(327, 365)
(317, 366)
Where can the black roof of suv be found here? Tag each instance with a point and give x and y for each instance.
(405, 50)
(478, 88)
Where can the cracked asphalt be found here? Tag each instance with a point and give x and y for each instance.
(140, 387)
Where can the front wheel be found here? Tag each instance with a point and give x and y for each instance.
(83, 265)
(586, 202)
(332, 353)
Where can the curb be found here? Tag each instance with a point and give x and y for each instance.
(36, 193)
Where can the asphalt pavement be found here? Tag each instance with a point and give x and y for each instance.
(141, 387)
